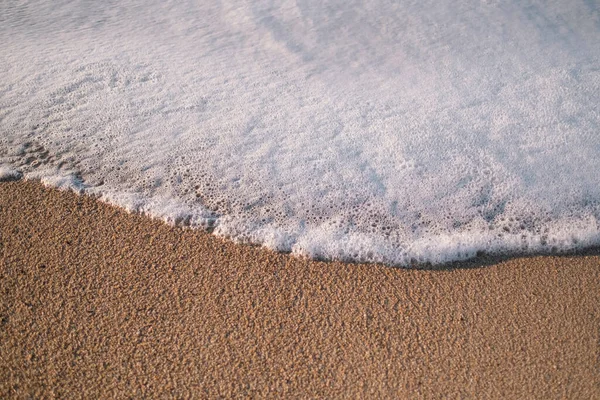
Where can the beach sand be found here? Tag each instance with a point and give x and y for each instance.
(96, 302)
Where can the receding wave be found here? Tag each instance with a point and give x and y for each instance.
(368, 130)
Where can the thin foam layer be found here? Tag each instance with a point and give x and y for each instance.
(365, 131)
(8, 173)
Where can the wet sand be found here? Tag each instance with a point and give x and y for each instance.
(99, 303)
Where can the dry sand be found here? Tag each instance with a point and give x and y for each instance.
(98, 303)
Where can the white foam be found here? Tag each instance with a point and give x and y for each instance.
(7, 173)
(61, 179)
(356, 130)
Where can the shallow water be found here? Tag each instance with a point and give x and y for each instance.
(354, 130)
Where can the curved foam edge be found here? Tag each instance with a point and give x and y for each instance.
(326, 243)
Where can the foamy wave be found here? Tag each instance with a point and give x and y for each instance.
(365, 131)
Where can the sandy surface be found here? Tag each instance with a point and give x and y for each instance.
(95, 302)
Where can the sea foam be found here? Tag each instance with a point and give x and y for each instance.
(365, 130)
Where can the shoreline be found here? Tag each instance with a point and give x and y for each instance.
(100, 302)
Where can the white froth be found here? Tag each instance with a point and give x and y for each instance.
(7, 173)
(358, 130)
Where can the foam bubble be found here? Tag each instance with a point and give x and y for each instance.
(365, 131)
